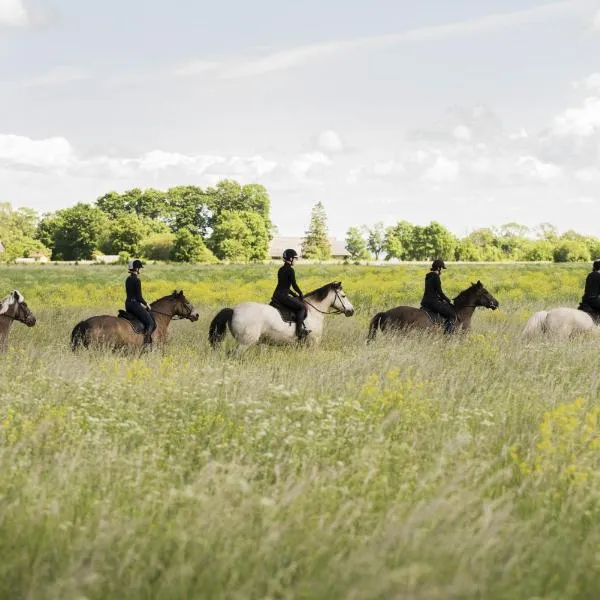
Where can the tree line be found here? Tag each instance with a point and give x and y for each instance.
(511, 242)
(184, 223)
(232, 222)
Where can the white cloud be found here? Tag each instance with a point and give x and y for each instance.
(587, 175)
(536, 169)
(581, 200)
(596, 21)
(58, 76)
(582, 121)
(23, 152)
(462, 133)
(13, 13)
(293, 57)
(443, 170)
(301, 166)
(330, 141)
(197, 68)
(592, 82)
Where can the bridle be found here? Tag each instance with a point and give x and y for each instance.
(336, 310)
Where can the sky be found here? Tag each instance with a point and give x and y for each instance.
(471, 113)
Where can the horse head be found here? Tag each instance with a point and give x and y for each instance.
(183, 308)
(15, 307)
(341, 301)
(481, 297)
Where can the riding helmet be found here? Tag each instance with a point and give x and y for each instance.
(438, 263)
(135, 264)
(596, 265)
(289, 254)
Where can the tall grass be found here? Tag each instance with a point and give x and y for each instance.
(418, 467)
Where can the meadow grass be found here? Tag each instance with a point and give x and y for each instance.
(417, 467)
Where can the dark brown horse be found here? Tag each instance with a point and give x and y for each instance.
(118, 333)
(13, 308)
(408, 317)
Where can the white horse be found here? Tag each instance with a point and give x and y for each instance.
(560, 322)
(253, 322)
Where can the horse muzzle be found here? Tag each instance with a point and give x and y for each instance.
(349, 312)
(30, 321)
(194, 316)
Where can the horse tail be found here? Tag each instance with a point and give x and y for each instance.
(535, 324)
(218, 326)
(79, 335)
(374, 325)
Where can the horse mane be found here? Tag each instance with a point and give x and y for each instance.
(322, 292)
(173, 296)
(467, 292)
(8, 301)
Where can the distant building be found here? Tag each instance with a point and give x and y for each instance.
(2, 248)
(279, 244)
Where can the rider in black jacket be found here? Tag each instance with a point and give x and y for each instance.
(434, 298)
(591, 294)
(286, 279)
(135, 303)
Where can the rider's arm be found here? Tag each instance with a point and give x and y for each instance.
(438, 286)
(293, 282)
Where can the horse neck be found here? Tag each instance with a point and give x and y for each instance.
(318, 308)
(162, 315)
(465, 310)
(5, 324)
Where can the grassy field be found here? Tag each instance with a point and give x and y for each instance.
(414, 468)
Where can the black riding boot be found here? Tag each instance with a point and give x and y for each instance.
(301, 331)
(449, 326)
(147, 345)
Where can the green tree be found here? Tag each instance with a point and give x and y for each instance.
(398, 241)
(570, 250)
(239, 236)
(157, 246)
(113, 205)
(376, 239)
(189, 208)
(316, 243)
(356, 245)
(536, 250)
(188, 247)
(74, 233)
(125, 234)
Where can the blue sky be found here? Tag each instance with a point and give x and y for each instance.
(470, 113)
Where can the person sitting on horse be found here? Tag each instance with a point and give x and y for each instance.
(434, 298)
(286, 279)
(135, 303)
(591, 294)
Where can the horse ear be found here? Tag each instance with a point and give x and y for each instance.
(181, 292)
(479, 283)
(174, 292)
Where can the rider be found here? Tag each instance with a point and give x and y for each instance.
(434, 298)
(286, 278)
(591, 294)
(135, 303)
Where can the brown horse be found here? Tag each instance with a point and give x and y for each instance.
(13, 308)
(408, 317)
(118, 333)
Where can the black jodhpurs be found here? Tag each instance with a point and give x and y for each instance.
(295, 304)
(138, 309)
(593, 302)
(442, 308)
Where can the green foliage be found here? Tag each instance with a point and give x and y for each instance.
(75, 233)
(239, 236)
(157, 246)
(376, 239)
(188, 247)
(316, 243)
(17, 230)
(571, 250)
(399, 240)
(356, 245)
(126, 233)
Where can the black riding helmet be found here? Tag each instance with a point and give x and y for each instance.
(135, 264)
(289, 254)
(438, 263)
(596, 265)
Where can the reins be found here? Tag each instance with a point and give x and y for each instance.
(337, 311)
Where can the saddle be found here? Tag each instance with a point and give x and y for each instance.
(287, 314)
(135, 323)
(590, 311)
(435, 317)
